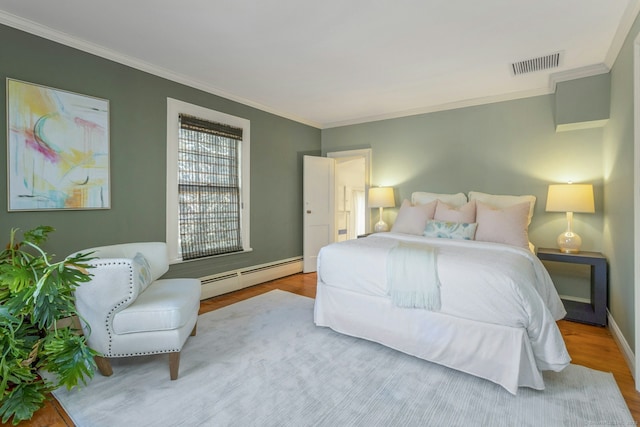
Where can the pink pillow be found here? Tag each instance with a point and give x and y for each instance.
(413, 219)
(465, 213)
(508, 225)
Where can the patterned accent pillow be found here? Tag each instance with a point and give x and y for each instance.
(451, 230)
(144, 270)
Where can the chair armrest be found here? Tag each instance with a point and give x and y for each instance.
(112, 288)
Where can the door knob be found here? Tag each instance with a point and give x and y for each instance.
(308, 212)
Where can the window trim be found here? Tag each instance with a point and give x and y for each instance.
(174, 108)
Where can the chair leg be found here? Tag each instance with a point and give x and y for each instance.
(174, 365)
(103, 365)
(193, 332)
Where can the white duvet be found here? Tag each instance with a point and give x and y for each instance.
(479, 281)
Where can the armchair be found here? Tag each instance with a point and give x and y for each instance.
(127, 310)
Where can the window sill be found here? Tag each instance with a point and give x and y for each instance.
(181, 261)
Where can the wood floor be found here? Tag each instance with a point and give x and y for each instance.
(590, 346)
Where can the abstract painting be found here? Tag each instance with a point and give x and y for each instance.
(58, 149)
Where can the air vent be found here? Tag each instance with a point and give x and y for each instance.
(536, 64)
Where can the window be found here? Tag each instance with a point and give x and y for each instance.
(207, 182)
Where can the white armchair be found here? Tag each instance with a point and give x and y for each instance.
(127, 310)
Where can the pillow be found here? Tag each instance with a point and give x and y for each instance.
(465, 213)
(504, 201)
(450, 230)
(141, 264)
(508, 225)
(413, 219)
(422, 198)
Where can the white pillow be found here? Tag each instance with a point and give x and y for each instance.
(508, 225)
(413, 219)
(465, 213)
(500, 201)
(422, 198)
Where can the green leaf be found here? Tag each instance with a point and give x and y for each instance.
(38, 235)
(6, 318)
(16, 277)
(16, 373)
(23, 401)
(68, 355)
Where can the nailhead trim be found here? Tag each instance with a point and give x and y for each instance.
(176, 350)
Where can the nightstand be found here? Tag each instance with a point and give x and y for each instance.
(595, 312)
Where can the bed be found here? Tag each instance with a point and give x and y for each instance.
(497, 311)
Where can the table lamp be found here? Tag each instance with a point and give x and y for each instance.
(381, 197)
(570, 198)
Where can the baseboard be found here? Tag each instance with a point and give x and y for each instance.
(626, 350)
(234, 280)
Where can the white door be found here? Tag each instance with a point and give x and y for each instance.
(318, 195)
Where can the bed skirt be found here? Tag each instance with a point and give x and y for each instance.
(500, 354)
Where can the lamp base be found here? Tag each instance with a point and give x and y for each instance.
(569, 242)
(380, 226)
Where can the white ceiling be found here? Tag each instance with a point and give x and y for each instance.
(334, 62)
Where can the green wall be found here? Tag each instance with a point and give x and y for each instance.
(138, 157)
(619, 191)
(502, 148)
(581, 102)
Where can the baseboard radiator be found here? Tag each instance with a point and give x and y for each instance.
(230, 281)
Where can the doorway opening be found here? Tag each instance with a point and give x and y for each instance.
(352, 178)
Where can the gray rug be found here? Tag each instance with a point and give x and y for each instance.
(262, 362)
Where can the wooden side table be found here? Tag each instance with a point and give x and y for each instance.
(595, 312)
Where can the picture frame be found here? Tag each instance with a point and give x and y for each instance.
(57, 149)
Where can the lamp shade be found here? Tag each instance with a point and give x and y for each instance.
(570, 198)
(381, 197)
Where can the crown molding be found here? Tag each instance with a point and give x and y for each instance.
(442, 107)
(85, 46)
(576, 73)
(628, 18)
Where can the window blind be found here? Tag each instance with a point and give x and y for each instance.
(208, 188)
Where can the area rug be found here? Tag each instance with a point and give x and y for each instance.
(263, 362)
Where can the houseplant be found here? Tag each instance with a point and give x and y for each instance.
(36, 334)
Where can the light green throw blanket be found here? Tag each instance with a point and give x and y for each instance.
(412, 276)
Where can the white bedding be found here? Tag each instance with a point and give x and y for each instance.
(483, 283)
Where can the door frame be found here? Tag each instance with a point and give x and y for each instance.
(636, 208)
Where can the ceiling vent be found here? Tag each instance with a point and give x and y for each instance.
(536, 64)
